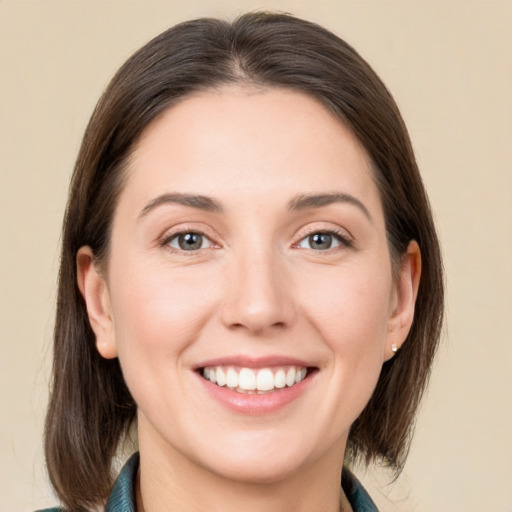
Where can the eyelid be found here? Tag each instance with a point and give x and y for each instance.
(183, 229)
(204, 240)
(342, 235)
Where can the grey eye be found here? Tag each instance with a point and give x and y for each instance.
(320, 241)
(189, 241)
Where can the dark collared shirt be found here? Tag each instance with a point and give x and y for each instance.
(122, 497)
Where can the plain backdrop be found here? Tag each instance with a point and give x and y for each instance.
(449, 67)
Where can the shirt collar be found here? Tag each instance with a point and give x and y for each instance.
(359, 499)
(122, 497)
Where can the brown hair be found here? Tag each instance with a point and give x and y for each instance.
(90, 406)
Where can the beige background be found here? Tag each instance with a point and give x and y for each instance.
(449, 66)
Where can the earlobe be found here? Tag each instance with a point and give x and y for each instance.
(407, 285)
(94, 290)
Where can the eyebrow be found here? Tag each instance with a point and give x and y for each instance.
(191, 200)
(303, 202)
(300, 202)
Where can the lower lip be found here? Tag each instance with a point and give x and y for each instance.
(256, 404)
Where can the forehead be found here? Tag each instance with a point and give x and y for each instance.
(254, 140)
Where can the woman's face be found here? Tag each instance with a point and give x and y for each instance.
(249, 249)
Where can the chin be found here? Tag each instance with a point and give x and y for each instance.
(257, 461)
(256, 472)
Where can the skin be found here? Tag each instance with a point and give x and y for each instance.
(256, 287)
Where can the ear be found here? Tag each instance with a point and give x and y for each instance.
(405, 293)
(94, 290)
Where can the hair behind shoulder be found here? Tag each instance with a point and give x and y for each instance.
(90, 406)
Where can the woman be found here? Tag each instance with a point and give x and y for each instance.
(249, 271)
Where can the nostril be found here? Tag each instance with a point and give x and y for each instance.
(256, 327)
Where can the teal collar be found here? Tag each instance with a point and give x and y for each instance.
(357, 496)
(122, 497)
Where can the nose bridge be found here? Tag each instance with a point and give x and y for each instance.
(258, 296)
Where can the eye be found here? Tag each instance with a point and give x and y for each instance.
(323, 240)
(190, 241)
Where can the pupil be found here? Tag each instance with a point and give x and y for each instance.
(190, 241)
(320, 241)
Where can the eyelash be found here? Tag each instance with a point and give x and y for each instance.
(166, 241)
(339, 236)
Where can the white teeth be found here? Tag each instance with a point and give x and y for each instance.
(280, 379)
(300, 374)
(265, 380)
(247, 380)
(232, 378)
(220, 376)
(290, 377)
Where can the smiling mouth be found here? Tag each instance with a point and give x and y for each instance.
(255, 381)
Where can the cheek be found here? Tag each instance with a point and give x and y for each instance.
(351, 313)
(352, 309)
(348, 309)
(158, 313)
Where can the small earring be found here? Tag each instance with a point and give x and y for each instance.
(394, 348)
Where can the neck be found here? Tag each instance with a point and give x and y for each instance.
(168, 480)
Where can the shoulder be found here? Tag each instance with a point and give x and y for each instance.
(53, 509)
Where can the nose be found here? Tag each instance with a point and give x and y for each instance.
(259, 296)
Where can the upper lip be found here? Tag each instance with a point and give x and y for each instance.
(253, 362)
